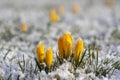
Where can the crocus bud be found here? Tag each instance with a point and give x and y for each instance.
(67, 44)
(60, 10)
(49, 57)
(110, 3)
(75, 8)
(53, 16)
(40, 52)
(24, 27)
(78, 49)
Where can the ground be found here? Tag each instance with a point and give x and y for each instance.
(96, 23)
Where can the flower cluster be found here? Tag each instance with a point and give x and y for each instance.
(54, 16)
(75, 55)
(65, 43)
(41, 57)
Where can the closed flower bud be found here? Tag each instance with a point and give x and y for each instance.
(75, 9)
(60, 10)
(49, 57)
(53, 16)
(40, 52)
(78, 49)
(110, 3)
(67, 44)
(24, 27)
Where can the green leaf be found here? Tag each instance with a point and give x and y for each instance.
(93, 55)
(83, 55)
(38, 64)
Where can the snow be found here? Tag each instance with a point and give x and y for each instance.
(93, 23)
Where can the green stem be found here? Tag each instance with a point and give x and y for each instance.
(97, 59)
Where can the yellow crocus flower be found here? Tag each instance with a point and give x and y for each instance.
(60, 10)
(60, 47)
(40, 52)
(53, 16)
(78, 49)
(49, 57)
(110, 3)
(67, 44)
(24, 27)
(75, 8)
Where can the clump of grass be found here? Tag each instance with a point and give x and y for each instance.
(91, 63)
(81, 58)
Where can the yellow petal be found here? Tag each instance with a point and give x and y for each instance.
(49, 57)
(78, 49)
(40, 52)
(60, 47)
(68, 35)
(67, 44)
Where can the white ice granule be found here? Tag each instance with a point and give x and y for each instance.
(118, 48)
(110, 56)
(84, 76)
(11, 55)
(21, 75)
(2, 73)
(63, 72)
(43, 75)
